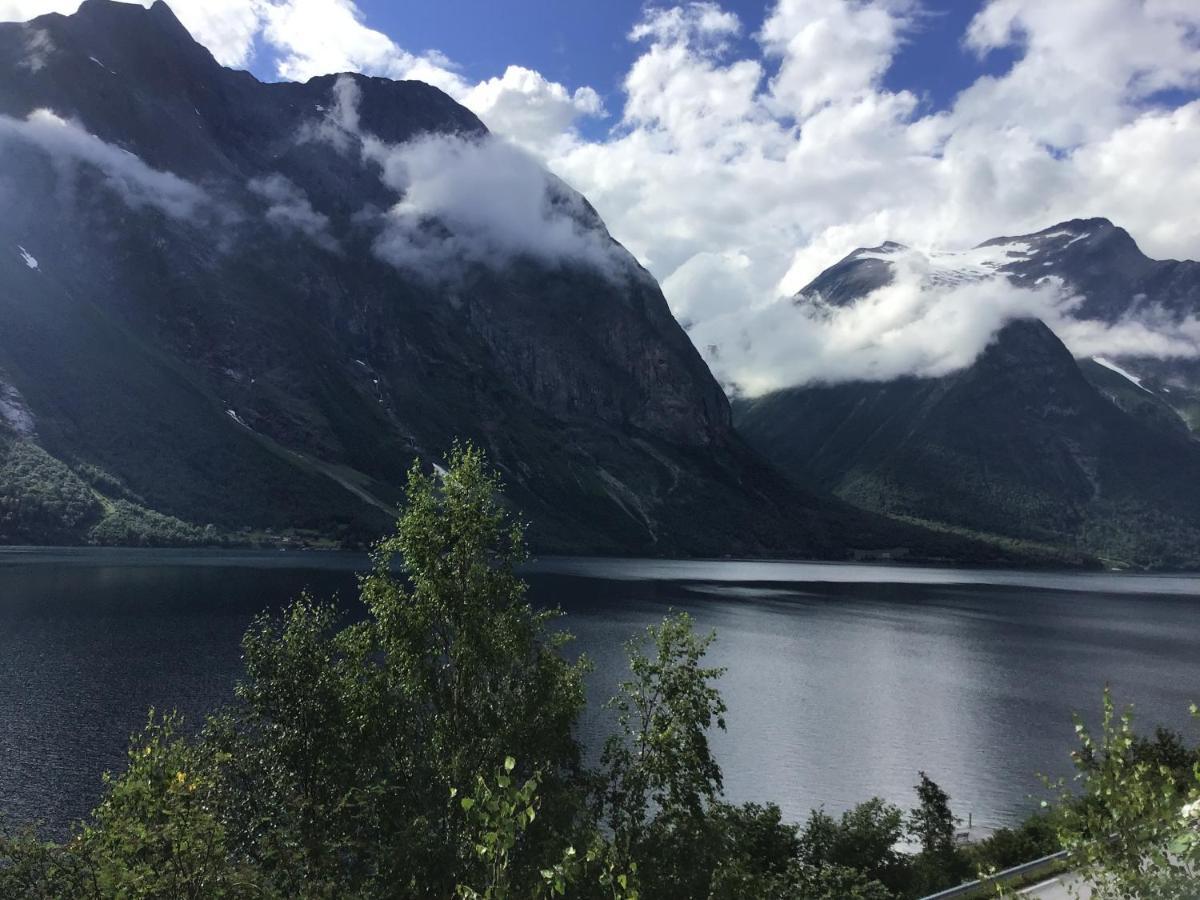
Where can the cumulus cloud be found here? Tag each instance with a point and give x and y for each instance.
(69, 145)
(737, 176)
(468, 200)
(288, 208)
(831, 51)
(527, 108)
(938, 313)
(484, 201)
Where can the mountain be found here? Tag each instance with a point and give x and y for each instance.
(1027, 442)
(217, 323)
(1099, 261)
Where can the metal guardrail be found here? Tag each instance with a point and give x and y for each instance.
(1046, 863)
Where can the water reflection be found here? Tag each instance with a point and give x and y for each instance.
(843, 681)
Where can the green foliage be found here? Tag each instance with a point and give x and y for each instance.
(658, 773)
(932, 825)
(308, 757)
(154, 835)
(1134, 826)
(469, 658)
(865, 840)
(41, 499)
(1034, 838)
(498, 812)
(126, 524)
(660, 756)
(345, 741)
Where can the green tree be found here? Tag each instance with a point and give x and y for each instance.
(472, 662)
(1034, 838)
(1133, 826)
(659, 776)
(345, 741)
(313, 759)
(865, 840)
(660, 758)
(932, 824)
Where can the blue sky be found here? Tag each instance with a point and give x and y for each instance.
(581, 43)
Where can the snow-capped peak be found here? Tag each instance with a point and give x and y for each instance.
(952, 266)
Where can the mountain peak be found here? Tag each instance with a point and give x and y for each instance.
(114, 14)
(1081, 234)
(1080, 226)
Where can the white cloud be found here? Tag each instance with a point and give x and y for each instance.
(526, 107)
(320, 37)
(1152, 332)
(906, 328)
(736, 186)
(704, 21)
(38, 48)
(226, 27)
(468, 200)
(289, 209)
(923, 323)
(485, 201)
(831, 51)
(135, 182)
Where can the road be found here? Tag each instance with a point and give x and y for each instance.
(1061, 887)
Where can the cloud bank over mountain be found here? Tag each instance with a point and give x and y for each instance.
(740, 165)
(69, 146)
(466, 199)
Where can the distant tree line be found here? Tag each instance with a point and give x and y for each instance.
(430, 751)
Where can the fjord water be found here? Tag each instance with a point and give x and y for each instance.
(843, 680)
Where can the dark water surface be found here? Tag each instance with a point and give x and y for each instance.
(843, 682)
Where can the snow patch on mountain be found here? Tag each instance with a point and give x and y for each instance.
(950, 267)
(1067, 234)
(1109, 364)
